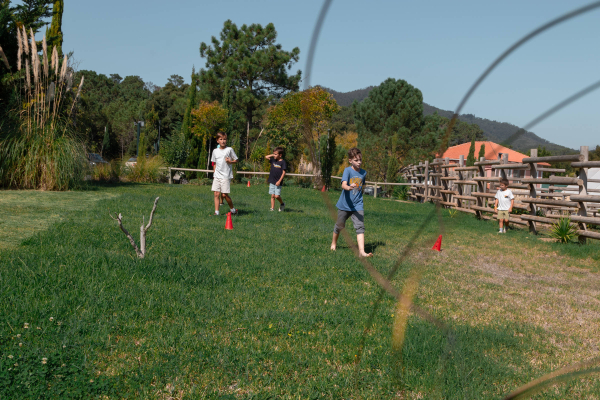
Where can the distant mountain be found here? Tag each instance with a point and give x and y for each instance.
(494, 131)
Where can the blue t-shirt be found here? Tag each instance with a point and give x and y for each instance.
(352, 200)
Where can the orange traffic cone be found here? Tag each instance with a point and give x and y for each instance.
(323, 189)
(438, 244)
(248, 183)
(229, 223)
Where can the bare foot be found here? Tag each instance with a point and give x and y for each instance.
(366, 255)
(332, 247)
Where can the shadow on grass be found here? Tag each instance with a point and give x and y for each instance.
(370, 247)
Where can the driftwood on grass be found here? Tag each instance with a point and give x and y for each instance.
(140, 251)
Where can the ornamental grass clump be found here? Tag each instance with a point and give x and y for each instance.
(564, 231)
(146, 170)
(40, 149)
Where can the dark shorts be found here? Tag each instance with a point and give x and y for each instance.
(358, 219)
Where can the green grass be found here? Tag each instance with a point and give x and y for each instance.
(267, 311)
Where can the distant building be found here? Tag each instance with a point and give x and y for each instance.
(493, 151)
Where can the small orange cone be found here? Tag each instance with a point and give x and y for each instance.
(323, 189)
(229, 223)
(438, 244)
(248, 183)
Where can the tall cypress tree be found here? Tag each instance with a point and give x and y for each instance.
(54, 35)
(481, 152)
(471, 156)
(186, 126)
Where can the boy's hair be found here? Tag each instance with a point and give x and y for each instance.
(504, 180)
(221, 135)
(353, 152)
(278, 149)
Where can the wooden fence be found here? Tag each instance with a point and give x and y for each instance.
(467, 189)
(375, 185)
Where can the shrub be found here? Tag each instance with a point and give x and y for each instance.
(175, 150)
(564, 231)
(146, 170)
(401, 192)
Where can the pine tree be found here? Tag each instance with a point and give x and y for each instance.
(393, 108)
(471, 156)
(481, 152)
(249, 66)
(54, 34)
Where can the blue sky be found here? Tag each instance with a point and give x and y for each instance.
(440, 47)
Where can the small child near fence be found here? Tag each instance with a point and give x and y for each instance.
(350, 204)
(276, 175)
(505, 200)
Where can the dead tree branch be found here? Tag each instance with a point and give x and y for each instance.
(140, 251)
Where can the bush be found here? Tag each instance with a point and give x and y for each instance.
(107, 172)
(146, 170)
(564, 231)
(175, 150)
(400, 192)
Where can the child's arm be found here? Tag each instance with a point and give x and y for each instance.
(269, 156)
(496, 205)
(280, 181)
(512, 203)
(230, 161)
(345, 186)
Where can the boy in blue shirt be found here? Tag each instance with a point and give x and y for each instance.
(350, 204)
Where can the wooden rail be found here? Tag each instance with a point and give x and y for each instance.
(470, 190)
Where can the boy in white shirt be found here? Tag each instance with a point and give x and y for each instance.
(505, 200)
(223, 157)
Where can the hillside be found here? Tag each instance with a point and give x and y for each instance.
(493, 130)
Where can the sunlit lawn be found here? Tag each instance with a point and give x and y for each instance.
(267, 311)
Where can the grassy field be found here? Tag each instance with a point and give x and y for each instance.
(267, 311)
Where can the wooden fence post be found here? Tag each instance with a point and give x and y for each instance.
(583, 175)
(532, 193)
(170, 177)
(426, 177)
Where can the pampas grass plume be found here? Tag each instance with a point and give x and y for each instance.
(28, 81)
(55, 60)
(4, 58)
(79, 88)
(63, 71)
(33, 45)
(25, 41)
(45, 50)
(20, 51)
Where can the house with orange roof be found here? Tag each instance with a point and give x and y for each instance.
(493, 151)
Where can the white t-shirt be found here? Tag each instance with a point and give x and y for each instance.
(504, 198)
(222, 169)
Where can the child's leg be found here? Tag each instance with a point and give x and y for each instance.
(217, 201)
(334, 241)
(278, 199)
(340, 224)
(360, 239)
(222, 199)
(501, 223)
(272, 201)
(228, 200)
(506, 224)
(358, 219)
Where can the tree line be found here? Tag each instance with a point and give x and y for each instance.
(246, 88)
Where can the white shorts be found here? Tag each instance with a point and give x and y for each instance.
(221, 185)
(273, 189)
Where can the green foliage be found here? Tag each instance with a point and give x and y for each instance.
(594, 154)
(258, 156)
(299, 120)
(481, 152)
(564, 231)
(147, 170)
(400, 192)
(174, 150)
(246, 65)
(43, 360)
(54, 34)
(186, 126)
(329, 161)
(471, 157)
(394, 108)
